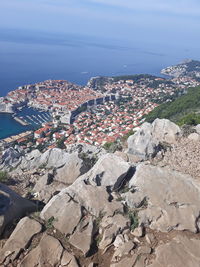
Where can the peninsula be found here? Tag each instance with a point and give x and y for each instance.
(103, 111)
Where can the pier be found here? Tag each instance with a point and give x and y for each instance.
(38, 119)
(21, 121)
(12, 139)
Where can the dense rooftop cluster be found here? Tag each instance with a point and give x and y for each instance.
(99, 123)
(52, 95)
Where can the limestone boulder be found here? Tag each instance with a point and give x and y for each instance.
(170, 198)
(10, 158)
(86, 149)
(68, 260)
(181, 251)
(194, 137)
(111, 227)
(73, 168)
(33, 155)
(52, 158)
(82, 238)
(82, 195)
(53, 181)
(95, 200)
(12, 206)
(46, 187)
(123, 250)
(64, 212)
(165, 131)
(19, 238)
(141, 144)
(145, 143)
(47, 253)
(109, 171)
(122, 155)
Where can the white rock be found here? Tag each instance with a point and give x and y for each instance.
(194, 137)
(110, 170)
(168, 207)
(179, 252)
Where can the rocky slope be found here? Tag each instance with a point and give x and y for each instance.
(85, 207)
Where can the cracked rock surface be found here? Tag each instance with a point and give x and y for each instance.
(173, 198)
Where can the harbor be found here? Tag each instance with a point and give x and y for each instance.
(21, 121)
(25, 119)
(37, 119)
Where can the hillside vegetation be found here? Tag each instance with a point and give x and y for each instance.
(183, 108)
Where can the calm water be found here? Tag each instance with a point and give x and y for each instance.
(31, 57)
(8, 126)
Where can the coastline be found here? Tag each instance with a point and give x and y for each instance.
(13, 138)
(12, 124)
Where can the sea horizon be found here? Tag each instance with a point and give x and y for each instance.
(28, 57)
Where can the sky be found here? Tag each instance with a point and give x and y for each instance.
(126, 20)
(77, 39)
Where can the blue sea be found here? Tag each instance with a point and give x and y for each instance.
(28, 57)
(8, 126)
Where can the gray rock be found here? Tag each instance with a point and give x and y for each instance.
(12, 206)
(54, 181)
(127, 261)
(11, 158)
(110, 170)
(144, 250)
(119, 240)
(82, 238)
(123, 250)
(52, 158)
(150, 238)
(194, 137)
(122, 155)
(168, 208)
(111, 227)
(181, 251)
(47, 253)
(142, 144)
(73, 168)
(76, 196)
(68, 260)
(19, 238)
(138, 231)
(60, 209)
(165, 131)
(87, 149)
(46, 187)
(33, 155)
(145, 142)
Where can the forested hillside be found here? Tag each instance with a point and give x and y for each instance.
(186, 105)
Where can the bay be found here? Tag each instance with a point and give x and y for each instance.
(30, 57)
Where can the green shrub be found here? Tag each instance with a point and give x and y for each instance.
(3, 176)
(60, 143)
(190, 119)
(49, 222)
(112, 146)
(133, 216)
